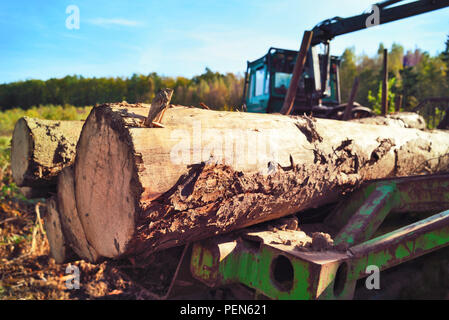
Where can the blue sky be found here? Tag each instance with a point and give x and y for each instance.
(181, 38)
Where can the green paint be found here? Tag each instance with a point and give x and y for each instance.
(401, 253)
(253, 267)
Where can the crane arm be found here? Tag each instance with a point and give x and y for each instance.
(330, 28)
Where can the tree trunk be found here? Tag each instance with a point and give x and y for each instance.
(70, 222)
(41, 148)
(139, 190)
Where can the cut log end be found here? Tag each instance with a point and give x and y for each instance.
(52, 223)
(70, 221)
(41, 148)
(103, 172)
(21, 151)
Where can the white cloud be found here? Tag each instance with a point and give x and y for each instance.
(104, 22)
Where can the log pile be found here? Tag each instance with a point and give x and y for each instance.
(134, 190)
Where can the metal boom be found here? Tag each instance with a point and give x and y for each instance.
(330, 28)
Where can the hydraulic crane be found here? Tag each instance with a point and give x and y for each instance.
(268, 78)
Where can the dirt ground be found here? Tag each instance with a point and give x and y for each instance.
(27, 271)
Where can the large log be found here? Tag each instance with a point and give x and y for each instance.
(41, 148)
(139, 190)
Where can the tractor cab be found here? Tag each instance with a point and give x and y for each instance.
(268, 79)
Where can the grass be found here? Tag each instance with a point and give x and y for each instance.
(8, 118)
(5, 150)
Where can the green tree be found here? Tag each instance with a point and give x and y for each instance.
(376, 100)
(348, 71)
(217, 90)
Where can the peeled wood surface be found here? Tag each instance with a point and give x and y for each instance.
(41, 148)
(134, 196)
(70, 222)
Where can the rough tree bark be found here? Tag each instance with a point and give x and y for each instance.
(41, 148)
(139, 190)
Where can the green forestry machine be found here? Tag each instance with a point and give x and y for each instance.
(268, 78)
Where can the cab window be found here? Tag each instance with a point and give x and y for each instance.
(259, 85)
(281, 82)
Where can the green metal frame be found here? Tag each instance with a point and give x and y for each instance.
(281, 271)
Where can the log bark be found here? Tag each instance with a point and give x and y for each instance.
(70, 221)
(140, 190)
(41, 148)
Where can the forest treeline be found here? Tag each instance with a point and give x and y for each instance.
(223, 91)
(415, 75)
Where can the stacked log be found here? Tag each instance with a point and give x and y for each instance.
(41, 148)
(136, 190)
